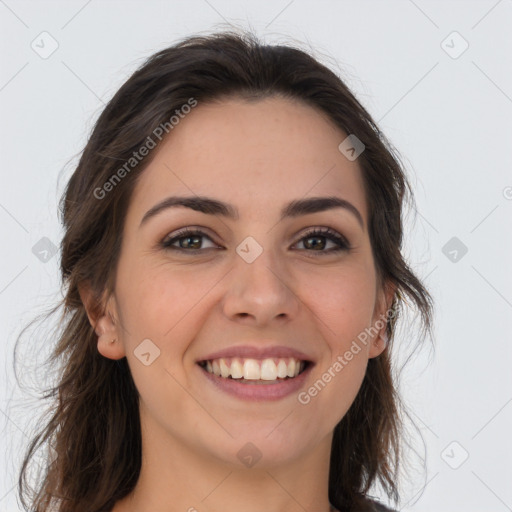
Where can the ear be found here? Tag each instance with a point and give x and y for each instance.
(385, 297)
(103, 317)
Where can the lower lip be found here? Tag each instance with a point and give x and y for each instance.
(258, 392)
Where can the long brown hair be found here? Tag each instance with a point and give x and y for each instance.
(94, 428)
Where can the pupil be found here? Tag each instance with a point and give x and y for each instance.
(186, 242)
(313, 244)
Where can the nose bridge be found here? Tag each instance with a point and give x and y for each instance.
(259, 286)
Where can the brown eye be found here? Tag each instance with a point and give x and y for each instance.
(187, 240)
(317, 240)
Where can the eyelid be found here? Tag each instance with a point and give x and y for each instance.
(202, 232)
(324, 230)
(329, 233)
(186, 231)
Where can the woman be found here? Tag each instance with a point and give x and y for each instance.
(233, 277)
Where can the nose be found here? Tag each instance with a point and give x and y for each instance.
(260, 293)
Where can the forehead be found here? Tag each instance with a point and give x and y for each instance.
(255, 155)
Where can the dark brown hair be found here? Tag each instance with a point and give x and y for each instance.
(94, 428)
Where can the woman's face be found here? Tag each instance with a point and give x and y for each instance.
(257, 284)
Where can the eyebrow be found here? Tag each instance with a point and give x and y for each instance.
(212, 206)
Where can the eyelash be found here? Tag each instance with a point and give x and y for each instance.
(328, 233)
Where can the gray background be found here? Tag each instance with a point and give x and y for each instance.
(447, 109)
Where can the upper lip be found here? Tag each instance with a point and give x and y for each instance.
(257, 352)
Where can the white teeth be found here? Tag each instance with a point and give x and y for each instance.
(224, 369)
(251, 369)
(282, 369)
(268, 370)
(291, 368)
(237, 370)
(254, 369)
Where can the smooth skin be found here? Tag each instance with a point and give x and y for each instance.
(257, 156)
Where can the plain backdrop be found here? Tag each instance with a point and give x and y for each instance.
(435, 75)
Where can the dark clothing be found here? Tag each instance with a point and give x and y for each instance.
(379, 507)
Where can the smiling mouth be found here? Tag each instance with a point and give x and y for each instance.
(255, 371)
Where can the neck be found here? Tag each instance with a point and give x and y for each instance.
(175, 477)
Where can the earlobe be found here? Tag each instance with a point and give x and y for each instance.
(103, 322)
(379, 344)
(109, 344)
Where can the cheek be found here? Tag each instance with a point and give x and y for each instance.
(343, 299)
(158, 302)
(153, 298)
(343, 304)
